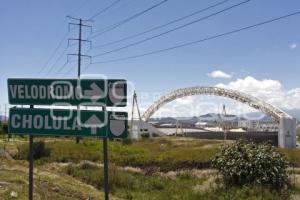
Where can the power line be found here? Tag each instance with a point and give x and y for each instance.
(199, 41)
(104, 9)
(65, 65)
(117, 24)
(70, 69)
(161, 26)
(84, 3)
(60, 42)
(57, 60)
(68, 72)
(62, 67)
(54, 52)
(171, 30)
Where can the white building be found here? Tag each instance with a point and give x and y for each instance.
(256, 125)
(250, 125)
(268, 127)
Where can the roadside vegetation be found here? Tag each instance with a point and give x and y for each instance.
(163, 154)
(159, 168)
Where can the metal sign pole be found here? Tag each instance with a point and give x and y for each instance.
(105, 160)
(105, 164)
(30, 192)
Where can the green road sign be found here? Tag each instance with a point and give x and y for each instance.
(57, 122)
(99, 92)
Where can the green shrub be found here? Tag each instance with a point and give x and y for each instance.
(145, 135)
(245, 163)
(5, 128)
(127, 141)
(39, 151)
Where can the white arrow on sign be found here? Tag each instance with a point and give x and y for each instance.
(93, 122)
(95, 93)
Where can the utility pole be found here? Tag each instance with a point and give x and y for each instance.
(79, 54)
(80, 40)
(132, 113)
(224, 122)
(5, 112)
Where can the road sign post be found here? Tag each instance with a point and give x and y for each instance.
(105, 169)
(30, 192)
(68, 122)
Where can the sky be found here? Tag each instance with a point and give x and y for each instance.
(262, 61)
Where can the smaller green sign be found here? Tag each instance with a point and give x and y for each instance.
(58, 122)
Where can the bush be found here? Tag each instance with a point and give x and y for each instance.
(245, 163)
(145, 135)
(5, 128)
(39, 151)
(127, 141)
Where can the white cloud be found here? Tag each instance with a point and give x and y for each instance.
(271, 91)
(219, 74)
(293, 46)
(185, 100)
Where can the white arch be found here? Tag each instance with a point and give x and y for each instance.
(253, 102)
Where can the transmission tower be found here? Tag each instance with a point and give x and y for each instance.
(81, 23)
(135, 104)
(224, 122)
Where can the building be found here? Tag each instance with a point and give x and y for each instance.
(260, 126)
(268, 127)
(250, 125)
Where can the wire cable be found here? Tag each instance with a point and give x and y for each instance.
(62, 67)
(53, 53)
(117, 24)
(69, 71)
(161, 26)
(199, 41)
(57, 60)
(104, 9)
(83, 4)
(171, 30)
(61, 41)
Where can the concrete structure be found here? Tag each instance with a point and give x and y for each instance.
(259, 126)
(268, 127)
(139, 127)
(287, 132)
(250, 125)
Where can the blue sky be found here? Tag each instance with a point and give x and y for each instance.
(31, 30)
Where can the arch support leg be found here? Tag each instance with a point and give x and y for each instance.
(287, 133)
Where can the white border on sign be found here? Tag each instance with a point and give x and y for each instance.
(91, 77)
(61, 97)
(69, 108)
(82, 124)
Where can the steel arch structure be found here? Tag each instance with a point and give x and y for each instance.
(253, 102)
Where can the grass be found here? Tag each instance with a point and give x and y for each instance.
(47, 184)
(165, 154)
(166, 169)
(183, 185)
